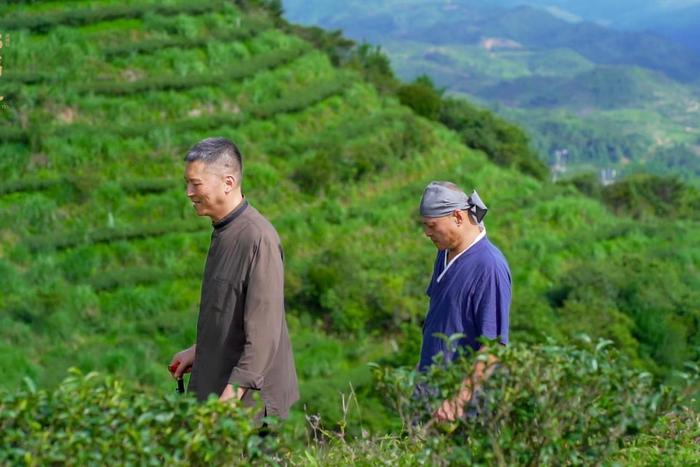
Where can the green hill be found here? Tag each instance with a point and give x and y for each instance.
(101, 254)
(531, 66)
(604, 88)
(468, 22)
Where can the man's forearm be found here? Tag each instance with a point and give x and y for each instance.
(229, 393)
(451, 409)
(472, 383)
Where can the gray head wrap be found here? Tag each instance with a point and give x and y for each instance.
(440, 200)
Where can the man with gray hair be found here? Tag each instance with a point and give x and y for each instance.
(242, 343)
(470, 291)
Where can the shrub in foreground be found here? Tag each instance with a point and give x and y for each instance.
(542, 405)
(96, 420)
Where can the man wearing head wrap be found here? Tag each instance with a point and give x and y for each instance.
(470, 291)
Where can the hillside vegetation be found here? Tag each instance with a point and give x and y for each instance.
(610, 99)
(599, 405)
(101, 254)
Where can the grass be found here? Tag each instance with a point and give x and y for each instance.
(44, 21)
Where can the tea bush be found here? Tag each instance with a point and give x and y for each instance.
(95, 420)
(43, 22)
(543, 405)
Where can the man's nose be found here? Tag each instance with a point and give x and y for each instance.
(190, 191)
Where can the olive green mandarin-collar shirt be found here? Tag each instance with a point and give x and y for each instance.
(242, 336)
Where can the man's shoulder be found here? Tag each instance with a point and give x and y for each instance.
(257, 228)
(488, 259)
(494, 254)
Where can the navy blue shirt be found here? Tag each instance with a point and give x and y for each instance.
(471, 298)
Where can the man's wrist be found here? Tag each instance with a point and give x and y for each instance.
(465, 395)
(232, 392)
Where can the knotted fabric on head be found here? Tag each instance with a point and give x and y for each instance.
(440, 200)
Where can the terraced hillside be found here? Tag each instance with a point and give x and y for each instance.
(101, 253)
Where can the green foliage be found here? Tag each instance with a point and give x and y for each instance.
(422, 97)
(181, 42)
(9, 134)
(70, 239)
(370, 61)
(131, 185)
(273, 7)
(133, 276)
(587, 183)
(343, 156)
(620, 291)
(504, 143)
(91, 419)
(299, 101)
(240, 71)
(643, 196)
(541, 405)
(333, 43)
(673, 440)
(680, 160)
(14, 186)
(72, 17)
(375, 67)
(148, 185)
(289, 103)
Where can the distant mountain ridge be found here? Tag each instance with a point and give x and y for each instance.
(678, 21)
(681, 26)
(470, 23)
(568, 82)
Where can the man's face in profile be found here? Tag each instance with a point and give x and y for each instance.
(443, 231)
(205, 188)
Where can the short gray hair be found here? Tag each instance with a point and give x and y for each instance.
(217, 151)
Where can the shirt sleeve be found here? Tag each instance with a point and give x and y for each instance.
(492, 305)
(263, 315)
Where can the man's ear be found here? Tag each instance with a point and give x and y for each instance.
(230, 182)
(462, 217)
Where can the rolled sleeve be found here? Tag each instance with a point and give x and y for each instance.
(246, 379)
